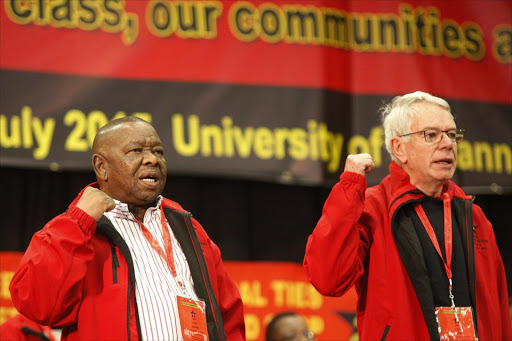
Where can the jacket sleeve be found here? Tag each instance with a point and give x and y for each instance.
(504, 299)
(336, 250)
(47, 286)
(230, 302)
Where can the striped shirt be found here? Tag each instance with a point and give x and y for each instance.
(155, 287)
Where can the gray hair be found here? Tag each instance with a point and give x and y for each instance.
(398, 114)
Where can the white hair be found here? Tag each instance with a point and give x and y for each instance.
(397, 115)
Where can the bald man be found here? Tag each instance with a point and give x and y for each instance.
(124, 262)
(287, 326)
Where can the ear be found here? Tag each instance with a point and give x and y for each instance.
(99, 164)
(398, 149)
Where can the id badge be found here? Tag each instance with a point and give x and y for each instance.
(455, 323)
(192, 319)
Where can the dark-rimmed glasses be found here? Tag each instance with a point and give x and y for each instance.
(435, 135)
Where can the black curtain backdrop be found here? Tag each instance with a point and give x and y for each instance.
(248, 220)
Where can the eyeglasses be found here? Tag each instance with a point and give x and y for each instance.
(307, 335)
(435, 135)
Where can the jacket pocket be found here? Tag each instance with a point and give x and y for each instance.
(385, 334)
(115, 265)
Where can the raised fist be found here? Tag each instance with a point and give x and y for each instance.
(95, 202)
(359, 163)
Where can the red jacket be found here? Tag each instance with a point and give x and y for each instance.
(78, 274)
(362, 239)
(20, 328)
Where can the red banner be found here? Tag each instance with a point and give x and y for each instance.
(9, 262)
(268, 288)
(280, 91)
(364, 47)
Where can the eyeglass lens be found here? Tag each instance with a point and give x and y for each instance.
(435, 135)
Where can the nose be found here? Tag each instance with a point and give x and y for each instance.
(149, 158)
(445, 140)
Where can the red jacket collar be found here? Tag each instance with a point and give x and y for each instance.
(398, 184)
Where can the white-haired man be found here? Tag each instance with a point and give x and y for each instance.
(422, 256)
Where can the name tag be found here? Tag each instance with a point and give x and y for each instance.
(192, 319)
(455, 323)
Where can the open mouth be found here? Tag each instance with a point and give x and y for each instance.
(444, 162)
(149, 179)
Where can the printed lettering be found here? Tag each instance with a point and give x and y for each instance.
(502, 46)
(108, 15)
(228, 140)
(418, 29)
(28, 132)
(188, 19)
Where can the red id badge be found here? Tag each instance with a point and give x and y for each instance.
(455, 323)
(192, 319)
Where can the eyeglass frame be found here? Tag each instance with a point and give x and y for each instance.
(459, 134)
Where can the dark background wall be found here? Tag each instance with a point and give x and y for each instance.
(249, 220)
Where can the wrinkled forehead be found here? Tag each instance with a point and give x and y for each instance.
(137, 127)
(129, 133)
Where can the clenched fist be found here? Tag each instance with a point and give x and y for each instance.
(359, 163)
(95, 202)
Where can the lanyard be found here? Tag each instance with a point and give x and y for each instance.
(167, 256)
(448, 242)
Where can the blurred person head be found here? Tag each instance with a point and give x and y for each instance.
(421, 136)
(288, 326)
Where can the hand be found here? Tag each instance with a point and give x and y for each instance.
(95, 202)
(359, 163)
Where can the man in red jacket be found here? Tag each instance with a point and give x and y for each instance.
(125, 263)
(422, 256)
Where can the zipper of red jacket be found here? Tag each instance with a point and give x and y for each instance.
(190, 228)
(468, 215)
